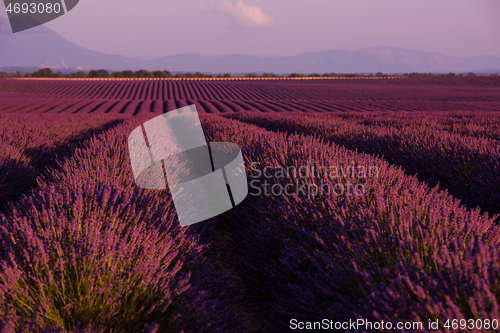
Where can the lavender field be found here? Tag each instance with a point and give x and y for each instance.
(414, 239)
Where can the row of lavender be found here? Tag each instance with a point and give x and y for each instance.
(476, 124)
(88, 246)
(468, 167)
(400, 252)
(89, 249)
(29, 143)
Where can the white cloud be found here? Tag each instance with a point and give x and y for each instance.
(245, 15)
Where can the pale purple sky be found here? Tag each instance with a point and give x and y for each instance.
(154, 28)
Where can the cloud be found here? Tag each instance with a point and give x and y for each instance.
(245, 15)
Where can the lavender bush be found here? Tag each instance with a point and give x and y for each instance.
(31, 143)
(466, 123)
(94, 250)
(402, 252)
(469, 168)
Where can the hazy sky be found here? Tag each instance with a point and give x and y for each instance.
(153, 28)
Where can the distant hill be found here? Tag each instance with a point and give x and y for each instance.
(371, 60)
(42, 47)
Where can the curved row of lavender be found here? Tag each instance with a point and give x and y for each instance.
(401, 252)
(468, 167)
(466, 123)
(29, 143)
(87, 246)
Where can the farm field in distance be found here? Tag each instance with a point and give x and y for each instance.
(409, 234)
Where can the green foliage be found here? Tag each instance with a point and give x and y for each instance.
(270, 75)
(80, 74)
(45, 72)
(162, 74)
(143, 73)
(98, 73)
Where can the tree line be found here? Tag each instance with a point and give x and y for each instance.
(102, 73)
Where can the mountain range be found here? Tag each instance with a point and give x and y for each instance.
(42, 47)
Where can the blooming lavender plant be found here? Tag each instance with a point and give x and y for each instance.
(403, 252)
(469, 168)
(86, 250)
(31, 143)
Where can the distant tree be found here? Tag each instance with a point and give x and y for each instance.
(128, 73)
(227, 75)
(199, 74)
(44, 72)
(4, 74)
(80, 74)
(269, 75)
(162, 74)
(117, 74)
(296, 75)
(471, 74)
(251, 75)
(143, 73)
(379, 74)
(98, 73)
